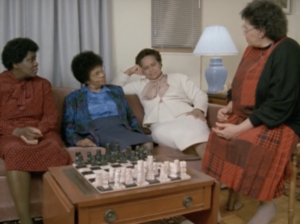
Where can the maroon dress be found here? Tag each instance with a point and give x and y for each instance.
(255, 162)
(29, 103)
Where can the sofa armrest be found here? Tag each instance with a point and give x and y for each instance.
(212, 112)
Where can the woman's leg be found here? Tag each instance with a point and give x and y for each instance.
(265, 213)
(19, 184)
(148, 145)
(200, 149)
(233, 201)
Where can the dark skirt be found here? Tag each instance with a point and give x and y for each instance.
(110, 129)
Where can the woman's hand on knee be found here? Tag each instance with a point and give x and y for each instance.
(86, 143)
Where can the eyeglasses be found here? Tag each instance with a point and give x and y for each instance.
(245, 30)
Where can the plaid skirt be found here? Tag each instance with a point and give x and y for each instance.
(255, 163)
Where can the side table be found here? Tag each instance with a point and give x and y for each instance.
(218, 98)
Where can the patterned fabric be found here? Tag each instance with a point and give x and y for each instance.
(77, 122)
(256, 161)
(100, 104)
(29, 103)
(155, 87)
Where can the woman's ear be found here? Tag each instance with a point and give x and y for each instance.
(15, 65)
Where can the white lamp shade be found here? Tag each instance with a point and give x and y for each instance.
(215, 40)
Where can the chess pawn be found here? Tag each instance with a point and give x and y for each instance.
(134, 171)
(105, 180)
(117, 150)
(176, 162)
(98, 180)
(155, 169)
(133, 157)
(117, 180)
(128, 152)
(123, 174)
(173, 170)
(107, 149)
(111, 174)
(162, 174)
(183, 174)
(77, 157)
(123, 158)
(98, 156)
(79, 161)
(89, 157)
(128, 179)
(103, 160)
(167, 167)
(117, 146)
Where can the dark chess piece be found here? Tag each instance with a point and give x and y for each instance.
(108, 150)
(150, 151)
(104, 160)
(89, 158)
(123, 158)
(93, 161)
(113, 157)
(117, 150)
(77, 157)
(133, 157)
(98, 157)
(79, 161)
(141, 154)
(128, 152)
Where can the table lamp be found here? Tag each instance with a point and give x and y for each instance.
(215, 41)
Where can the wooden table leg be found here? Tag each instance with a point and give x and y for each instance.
(56, 206)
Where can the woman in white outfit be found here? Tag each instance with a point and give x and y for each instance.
(175, 108)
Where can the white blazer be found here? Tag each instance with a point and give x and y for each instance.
(181, 97)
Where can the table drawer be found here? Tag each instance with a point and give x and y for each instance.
(148, 209)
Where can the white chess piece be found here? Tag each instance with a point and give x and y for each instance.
(183, 174)
(117, 184)
(111, 175)
(105, 180)
(173, 170)
(167, 168)
(98, 180)
(123, 174)
(129, 179)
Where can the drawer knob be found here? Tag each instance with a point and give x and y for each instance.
(187, 201)
(110, 216)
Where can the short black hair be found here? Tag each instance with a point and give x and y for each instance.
(147, 52)
(83, 63)
(16, 50)
(266, 15)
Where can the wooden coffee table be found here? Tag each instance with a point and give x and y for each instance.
(69, 199)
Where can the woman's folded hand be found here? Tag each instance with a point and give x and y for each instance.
(86, 143)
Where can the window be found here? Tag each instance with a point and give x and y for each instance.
(176, 24)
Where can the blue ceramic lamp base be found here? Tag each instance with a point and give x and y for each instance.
(215, 75)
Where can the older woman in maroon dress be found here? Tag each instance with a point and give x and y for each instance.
(28, 121)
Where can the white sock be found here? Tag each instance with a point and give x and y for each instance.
(265, 213)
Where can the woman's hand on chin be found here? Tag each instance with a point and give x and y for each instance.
(86, 143)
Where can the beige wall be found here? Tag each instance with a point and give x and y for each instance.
(132, 32)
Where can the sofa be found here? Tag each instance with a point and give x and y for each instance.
(7, 209)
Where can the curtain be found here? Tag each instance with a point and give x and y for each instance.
(62, 29)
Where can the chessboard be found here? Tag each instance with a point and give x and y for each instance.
(116, 171)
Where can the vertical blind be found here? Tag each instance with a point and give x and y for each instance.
(175, 24)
